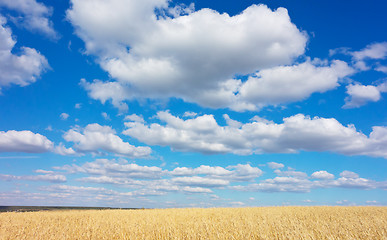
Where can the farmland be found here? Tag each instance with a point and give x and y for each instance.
(211, 223)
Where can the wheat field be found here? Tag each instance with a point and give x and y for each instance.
(212, 223)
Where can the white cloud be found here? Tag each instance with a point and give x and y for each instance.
(349, 174)
(78, 105)
(134, 118)
(112, 168)
(62, 150)
(107, 91)
(48, 177)
(291, 83)
(190, 114)
(64, 116)
(274, 165)
(360, 95)
(24, 141)
(322, 175)
(372, 51)
(381, 69)
(290, 173)
(34, 16)
(296, 133)
(105, 116)
(296, 184)
(200, 181)
(95, 138)
(196, 56)
(239, 172)
(18, 69)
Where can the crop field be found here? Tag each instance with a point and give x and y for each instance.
(213, 223)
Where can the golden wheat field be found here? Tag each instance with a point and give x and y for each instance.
(214, 223)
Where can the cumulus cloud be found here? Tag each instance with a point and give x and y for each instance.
(360, 95)
(296, 133)
(32, 15)
(18, 69)
(95, 138)
(292, 83)
(153, 52)
(24, 141)
(322, 175)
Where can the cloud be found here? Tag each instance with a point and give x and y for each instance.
(323, 175)
(360, 95)
(190, 114)
(24, 141)
(64, 116)
(112, 168)
(274, 165)
(95, 138)
(372, 51)
(239, 172)
(200, 181)
(196, 56)
(18, 69)
(105, 116)
(349, 174)
(290, 173)
(134, 118)
(303, 184)
(285, 84)
(33, 16)
(296, 133)
(62, 150)
(48, 178)
(107, 91)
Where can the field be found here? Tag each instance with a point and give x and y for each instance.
(214, 223)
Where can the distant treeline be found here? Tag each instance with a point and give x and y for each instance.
(53, 208)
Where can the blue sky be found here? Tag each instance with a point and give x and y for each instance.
(128, 103)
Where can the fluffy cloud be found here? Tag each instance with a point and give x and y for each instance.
(95, 138)
(153, 52)
(19, 69)
(299, 132)
(360, 95)
(322, 175)
(34, 16)
(291, 83)
(24, 141)
(372, 51)
(349, 174)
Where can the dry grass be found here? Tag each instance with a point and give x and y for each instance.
(217, 223)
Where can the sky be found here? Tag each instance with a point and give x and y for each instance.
(164, 103)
